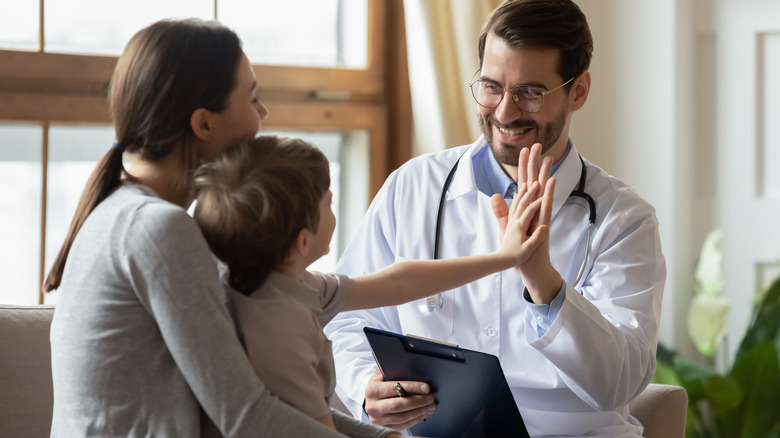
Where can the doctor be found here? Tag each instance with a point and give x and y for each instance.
(576, 327)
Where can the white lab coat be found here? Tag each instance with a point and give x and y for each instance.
(599, 352)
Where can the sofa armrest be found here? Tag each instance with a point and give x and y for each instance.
(662, 410)
(26, 395)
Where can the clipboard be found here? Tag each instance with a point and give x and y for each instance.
(474, 399)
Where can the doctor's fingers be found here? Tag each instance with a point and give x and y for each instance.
(545, 215)
(534, 163)
(522, 166)
(400, 413)
(378, 389)
(545, 170)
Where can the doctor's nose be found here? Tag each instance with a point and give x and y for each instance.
(507, 110)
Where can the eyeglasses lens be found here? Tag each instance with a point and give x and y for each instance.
(489, 95)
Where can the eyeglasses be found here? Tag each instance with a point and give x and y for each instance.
(528, 98)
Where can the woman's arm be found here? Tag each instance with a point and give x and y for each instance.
(355, 428)
(407, 281)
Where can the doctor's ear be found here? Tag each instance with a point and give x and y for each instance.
(579, 91)
(203, 123)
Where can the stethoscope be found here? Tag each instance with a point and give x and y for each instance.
(436, 301)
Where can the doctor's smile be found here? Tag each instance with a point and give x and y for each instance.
(513, 132)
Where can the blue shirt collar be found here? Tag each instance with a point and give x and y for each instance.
(490, 177)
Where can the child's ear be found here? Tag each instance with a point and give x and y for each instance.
(301, 244)
(203, 124)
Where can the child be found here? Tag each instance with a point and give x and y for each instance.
(264, 208)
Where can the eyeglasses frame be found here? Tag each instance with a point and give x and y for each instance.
(515, 97)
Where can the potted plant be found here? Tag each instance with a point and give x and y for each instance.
(743, 402)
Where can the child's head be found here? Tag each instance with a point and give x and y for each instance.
(255, 200)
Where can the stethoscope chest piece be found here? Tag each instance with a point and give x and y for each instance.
(434, 302)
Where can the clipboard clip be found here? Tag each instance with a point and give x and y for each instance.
(433, 348)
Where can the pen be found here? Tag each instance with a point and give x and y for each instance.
(400, 390)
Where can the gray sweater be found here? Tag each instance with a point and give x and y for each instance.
(142, 344)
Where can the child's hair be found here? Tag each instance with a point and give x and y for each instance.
(254, 200)
(166, 72)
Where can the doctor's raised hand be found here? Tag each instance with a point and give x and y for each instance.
(539, 277)
(525, 227)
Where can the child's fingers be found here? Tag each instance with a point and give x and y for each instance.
(500, 211)
(516, 199)
(526, 218)
(535, 239)
(520, 203)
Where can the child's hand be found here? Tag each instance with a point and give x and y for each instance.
(520, 224)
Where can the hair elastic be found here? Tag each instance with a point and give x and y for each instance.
(118, 147)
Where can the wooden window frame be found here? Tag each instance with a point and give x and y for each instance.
(45, 88)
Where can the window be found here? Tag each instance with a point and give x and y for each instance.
(20, 189)
(335, 82)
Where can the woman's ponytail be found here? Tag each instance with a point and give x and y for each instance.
(104, 179)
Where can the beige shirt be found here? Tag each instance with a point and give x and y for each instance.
(281, 326)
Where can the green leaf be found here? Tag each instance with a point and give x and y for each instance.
(690, 370)
(757, 372)
(665, 374)
(723, 393)
(692, 422)
(765, 326)
(692, 376)
(665, 355)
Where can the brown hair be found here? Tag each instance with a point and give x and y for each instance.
(254, 200)
(167, 71)
(545, 24)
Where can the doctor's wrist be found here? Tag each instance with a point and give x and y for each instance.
(544, 291)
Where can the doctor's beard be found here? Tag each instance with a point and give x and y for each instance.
(507, 153)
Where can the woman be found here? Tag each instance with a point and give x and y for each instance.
(142, 344)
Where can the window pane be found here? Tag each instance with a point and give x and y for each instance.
(20, 220)
(73, 153)
(323, 33)
(347, 153)
(19, 24)
(105, 27)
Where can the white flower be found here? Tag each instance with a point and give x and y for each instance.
(708, 314)
(709, 276)
(708, 322)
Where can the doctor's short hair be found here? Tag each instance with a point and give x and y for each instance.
(254, 200)
(543, 24)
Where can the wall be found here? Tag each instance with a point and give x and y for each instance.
(637, 125)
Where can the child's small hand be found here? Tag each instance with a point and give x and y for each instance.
(522, 230)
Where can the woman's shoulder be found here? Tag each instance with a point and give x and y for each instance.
(141, 205)
(137, 218)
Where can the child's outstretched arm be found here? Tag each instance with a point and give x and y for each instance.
(407, 281)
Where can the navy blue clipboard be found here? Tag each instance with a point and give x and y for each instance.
(474, 399)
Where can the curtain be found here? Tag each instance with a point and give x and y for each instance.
(442, 40)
